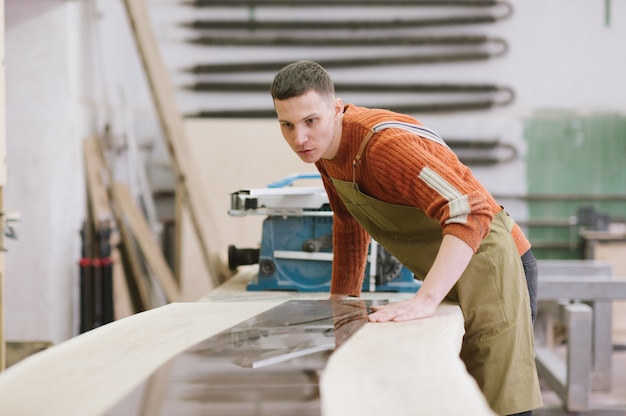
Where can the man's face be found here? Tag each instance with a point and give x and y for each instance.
(311, 125)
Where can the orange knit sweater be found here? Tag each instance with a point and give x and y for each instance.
(396, 163)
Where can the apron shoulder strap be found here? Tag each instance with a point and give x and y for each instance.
(359, 153)
(413, 128)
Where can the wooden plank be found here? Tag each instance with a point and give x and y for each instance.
(173, 130)
(98, 177)
(2, 270)
(88, 374)
(409, 368)
(191, 287)
(97, 370)
(122, 303)
(613, 252)
(140, 229)
(138, 282)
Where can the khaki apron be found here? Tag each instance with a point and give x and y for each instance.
(498, 345)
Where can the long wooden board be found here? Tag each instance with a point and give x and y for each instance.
(88, 374)
(409, 368)
(98, 179)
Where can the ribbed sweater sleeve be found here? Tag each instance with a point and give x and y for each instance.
(400, 167)
(350, 246)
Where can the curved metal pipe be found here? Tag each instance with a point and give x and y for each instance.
(344, 3)
(205, 24)
(352, 87)
(257, 39)
(253, 24)
(469, 105)
(344, 63)
(506, 94)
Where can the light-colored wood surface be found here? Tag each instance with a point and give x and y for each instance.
(98, 178)
(614, 252)
(91, 372)
(171, 121)
(146, 240)
(95, 174)
(134, 269)
(232, 155)
(3, 180)
(409, 368)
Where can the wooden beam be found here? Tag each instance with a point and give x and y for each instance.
(90, 373)
(392, 368)
(3, 179)
(173, 131)
(138, 281)
(2, 270)
(403, 369)
(98, 178)
(132, 216)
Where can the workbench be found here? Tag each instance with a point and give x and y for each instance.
(578, 293)
(383, 368)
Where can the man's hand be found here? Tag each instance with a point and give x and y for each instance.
(338, 297)
(452, 259)
(414, 308)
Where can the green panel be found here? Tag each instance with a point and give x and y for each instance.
(573, 160)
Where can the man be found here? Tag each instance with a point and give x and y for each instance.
(390, 178)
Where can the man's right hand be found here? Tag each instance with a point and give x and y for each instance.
(335, 296)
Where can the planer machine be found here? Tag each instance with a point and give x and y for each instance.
(296, 244)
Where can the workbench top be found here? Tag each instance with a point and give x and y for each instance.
(367, 375)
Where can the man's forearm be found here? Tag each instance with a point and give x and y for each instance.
(452, 258)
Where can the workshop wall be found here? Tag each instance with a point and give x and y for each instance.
(72, 69)
(577, 161)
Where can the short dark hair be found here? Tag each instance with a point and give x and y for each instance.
(300, 77)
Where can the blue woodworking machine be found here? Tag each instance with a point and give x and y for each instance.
(296, 244)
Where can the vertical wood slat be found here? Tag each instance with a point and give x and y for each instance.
(3, 180)
(140, 229)
(173, 130)
(98, 179)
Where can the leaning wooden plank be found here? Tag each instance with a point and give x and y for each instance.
(122, 303)
(98, 179)
(90, 373)
(409, 368)
(145, 240)
(173, 130)
(133, 267)
(191, 287)
(96, 175)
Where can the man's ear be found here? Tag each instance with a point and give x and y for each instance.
(338, 106)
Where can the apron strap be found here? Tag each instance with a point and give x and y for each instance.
(357, 158)
(413, 128)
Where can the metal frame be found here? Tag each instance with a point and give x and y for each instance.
(580, 294)
(570, 378)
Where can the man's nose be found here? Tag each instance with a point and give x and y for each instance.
(300, 135)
